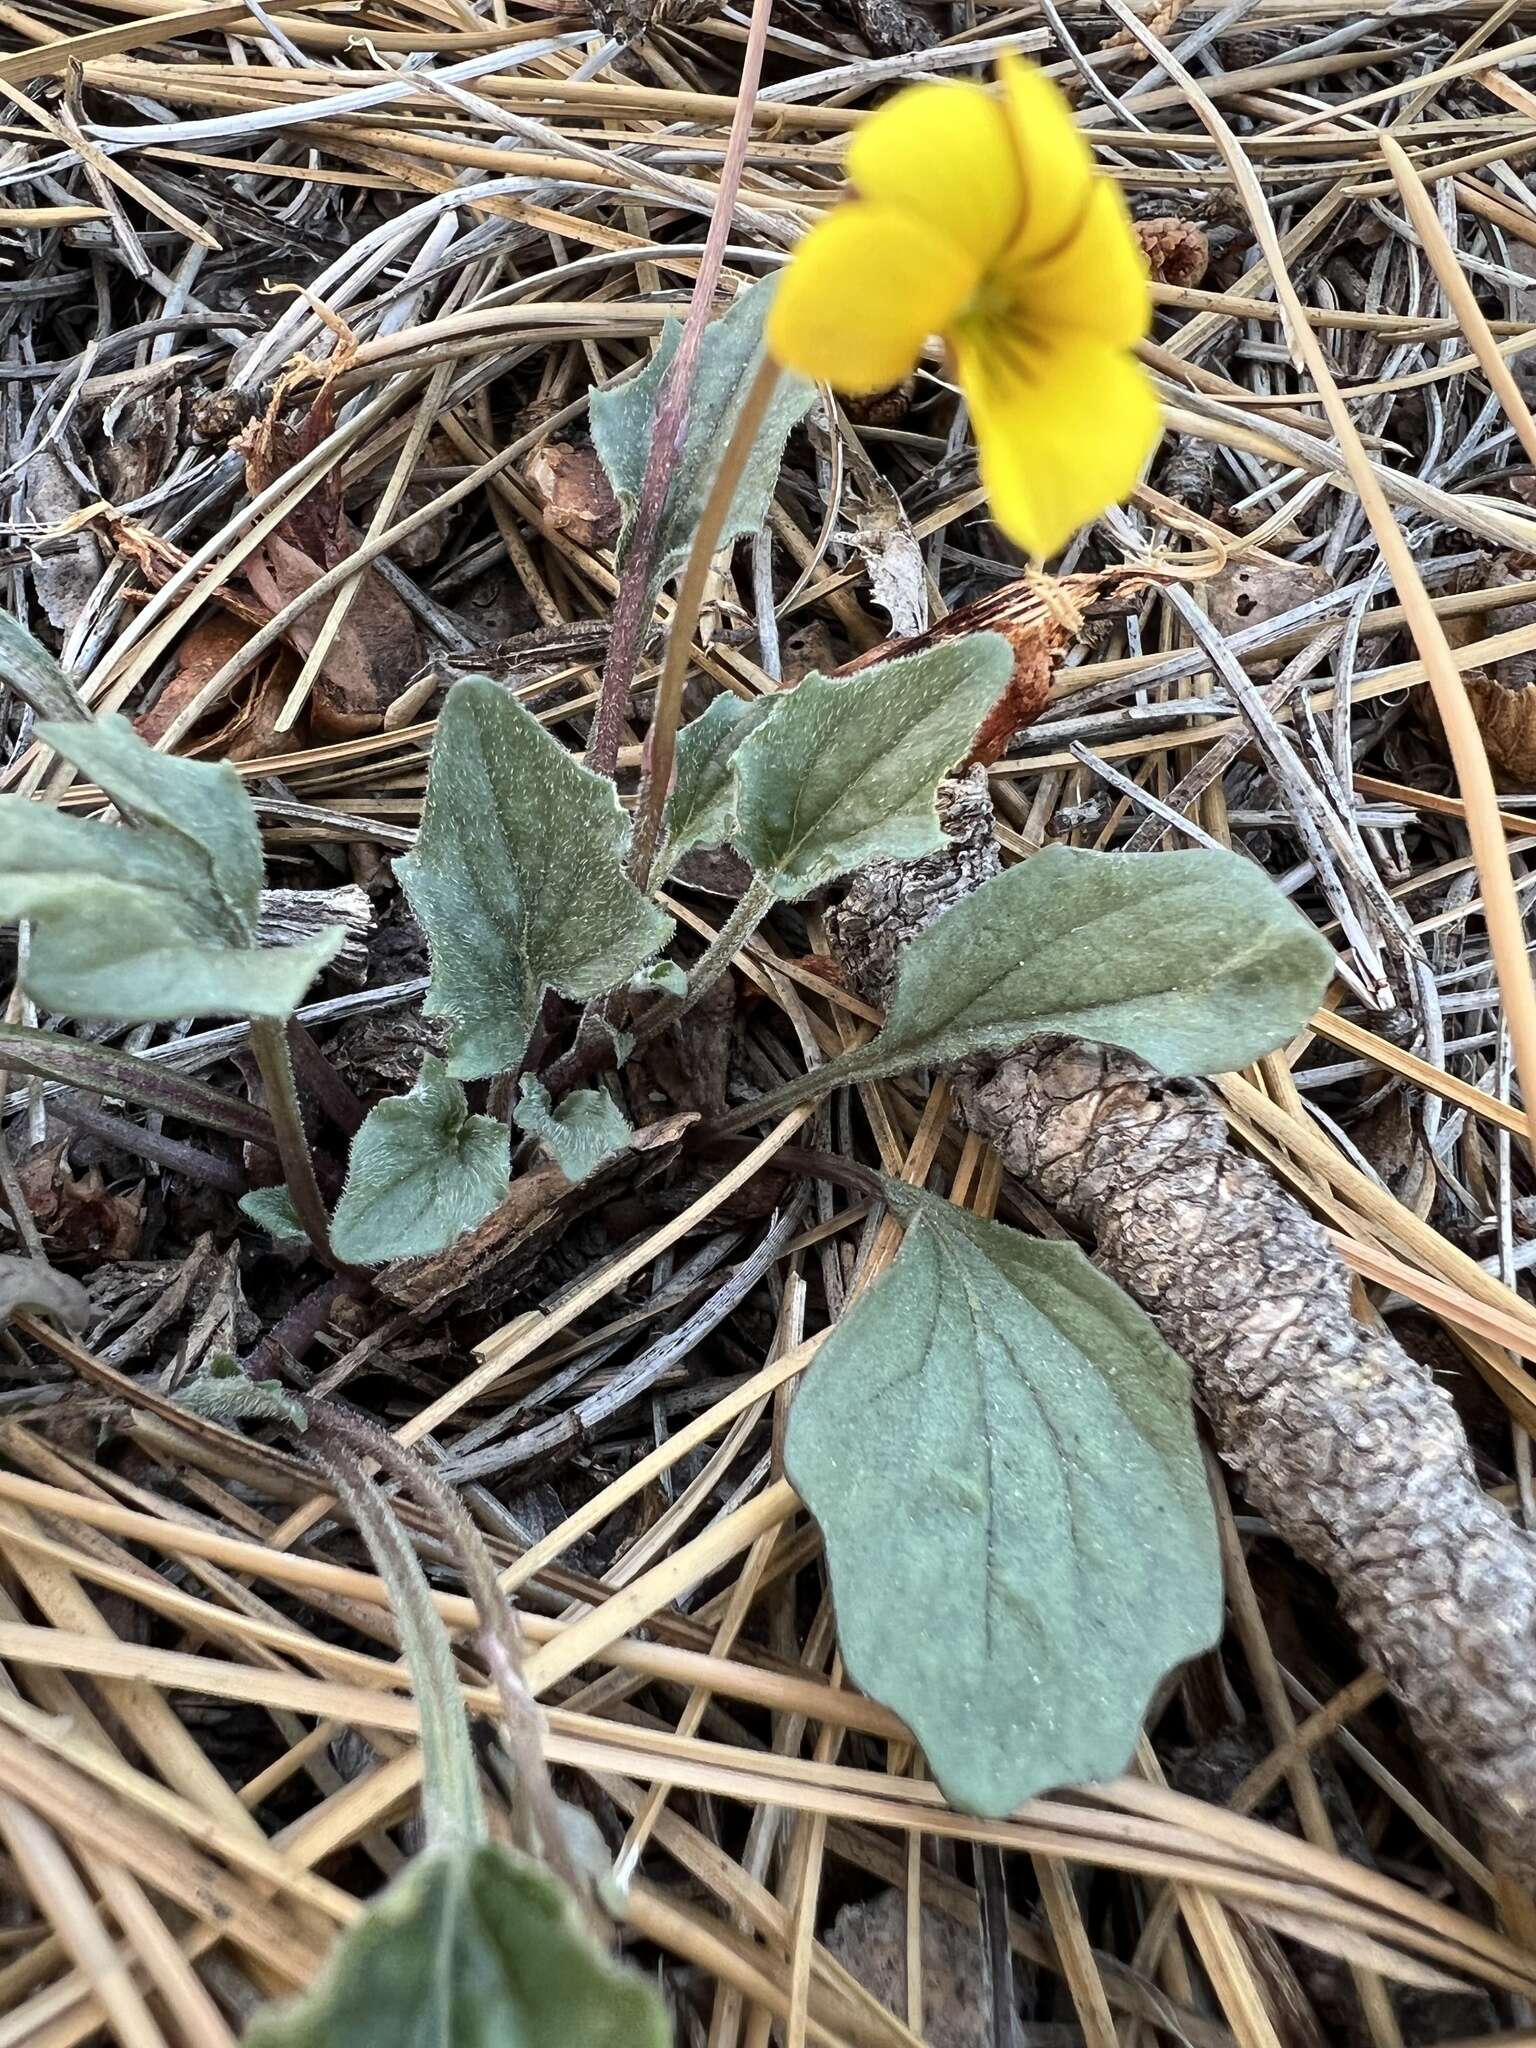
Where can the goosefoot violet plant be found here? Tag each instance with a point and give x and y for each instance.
(993, 1430)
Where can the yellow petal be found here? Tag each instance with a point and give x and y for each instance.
(1062, 430)
(945, 155)
(1096, 282)
(861, 295)
(1056, 163)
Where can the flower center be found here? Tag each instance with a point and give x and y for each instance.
(992, 304)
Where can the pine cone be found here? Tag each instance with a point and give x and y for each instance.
(1177, 251)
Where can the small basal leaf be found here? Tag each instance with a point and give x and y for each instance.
(701, 811)
(272, 1210)
(1000, 1451)
(1194, 961)
(222, 1393)
(423, 1171)
(661, 978)
(155, 918)
(624, 417)
(518, 877)
(845, 771)
(469, 1948)
(582, 1130)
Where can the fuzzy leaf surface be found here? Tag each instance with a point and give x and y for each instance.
(845, 770)
(423, 1171)
(224, 1394)
(469, 1948)
(198, 807)
(103, 948)
(624, 418)
(518, 878)
(701, 811)
(155, 918)
(30, 670)
(272, 1210)
(582, 1130)
(1000, 1451)
(1194, 961)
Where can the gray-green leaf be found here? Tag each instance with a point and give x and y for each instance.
(152, 919)
(1194, 961)
(33, 1287)
(660, 978)
(518, 879)
(30, 670)
(701, 810)
(198, 807)
(112, 949)
(469, 1948)
(223, 1394)
(999, 1449)
(272, 1210)
(624, 417)
(845, 770)
(423, 1171)
(581, 1131)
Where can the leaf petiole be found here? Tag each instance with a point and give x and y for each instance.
(755, 904)
(269, 1042)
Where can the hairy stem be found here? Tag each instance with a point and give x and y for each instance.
(269, 1042)
(500, 1638)
(632, 608)
(449, 1779)
(743, 921)
(661, 748)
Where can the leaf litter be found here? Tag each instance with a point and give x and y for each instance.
(299, 339)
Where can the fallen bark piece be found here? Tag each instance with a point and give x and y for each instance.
(1347, 1445)
(289, 916)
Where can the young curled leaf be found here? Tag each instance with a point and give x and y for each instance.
(223, 1393)
(272, 1210)
(659, 978)
(30, 670)
(1000, 1451)
(469, 1948)
(423, 1171)
(518, 877)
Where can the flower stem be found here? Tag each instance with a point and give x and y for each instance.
(661, 747)
(269, 1042)
(637, 588)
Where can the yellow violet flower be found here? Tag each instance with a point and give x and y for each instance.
(983, 219)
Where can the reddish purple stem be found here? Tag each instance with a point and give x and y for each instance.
(632, 607)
